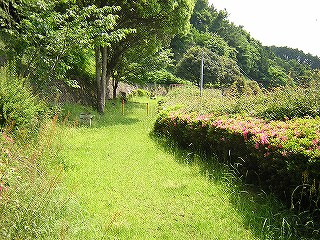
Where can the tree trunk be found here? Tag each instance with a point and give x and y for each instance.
(115, 86)
(103, 92)
(109, 86)
(98, 77)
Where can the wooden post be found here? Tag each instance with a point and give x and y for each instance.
(147, 109)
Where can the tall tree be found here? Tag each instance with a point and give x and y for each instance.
(155, 23)
(42, 35)
(218, 70)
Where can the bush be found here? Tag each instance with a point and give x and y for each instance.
(283, 157)
(141, 93)
(19, 109)
(279, 104)
(163, 77)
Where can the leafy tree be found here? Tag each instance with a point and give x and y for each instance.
(154, 22)
(38, 39)
(155, 68)
(288, 54)
(278, 77)
(218, 70)
(45, 35)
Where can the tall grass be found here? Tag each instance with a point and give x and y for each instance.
(34, 204)
(276, 104)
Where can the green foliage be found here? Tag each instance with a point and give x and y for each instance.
(282, 156)
(243, 87)
(155, 23)
(277, 77)
(245, 98)
(19, 109)
(297, 55)
(270, 66)
(151, 69)
(34, 204)
(283, 103)
(218, 70)
(163, 77)
(284, 145)
(141, 93)
(45, 43)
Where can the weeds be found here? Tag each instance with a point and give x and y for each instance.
(278, 104)
(33, 202)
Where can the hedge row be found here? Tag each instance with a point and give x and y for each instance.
(281, 156)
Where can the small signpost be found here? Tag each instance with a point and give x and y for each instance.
(86, 118)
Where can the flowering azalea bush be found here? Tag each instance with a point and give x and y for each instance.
(283, 156)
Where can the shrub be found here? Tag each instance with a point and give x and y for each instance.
(279, 104)
(141, 93)
(281, 156)
(163, 77)
(19, 109)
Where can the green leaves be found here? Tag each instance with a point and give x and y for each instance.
(48, 34)
(18, 108)
(218, 70)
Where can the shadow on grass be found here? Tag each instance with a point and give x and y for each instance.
(264, 215)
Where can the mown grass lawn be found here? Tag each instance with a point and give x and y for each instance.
(132, 188)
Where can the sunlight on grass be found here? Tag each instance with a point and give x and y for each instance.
(133, 188)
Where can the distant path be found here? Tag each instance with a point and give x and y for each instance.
(136, 190)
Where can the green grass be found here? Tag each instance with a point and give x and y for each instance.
(134, 186)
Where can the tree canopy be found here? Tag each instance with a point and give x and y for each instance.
(107, 41)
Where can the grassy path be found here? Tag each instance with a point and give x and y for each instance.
(134, 189)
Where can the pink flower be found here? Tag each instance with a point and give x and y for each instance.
(315, 141)
(201, 118)
(297, 133)
(264, 139)
(245, 135)
(257, 145)
(219, 122)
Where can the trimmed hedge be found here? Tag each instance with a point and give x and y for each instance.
(280, 156)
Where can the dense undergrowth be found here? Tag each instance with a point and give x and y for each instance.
(271, 139)
(34, 204)
(279, 104)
